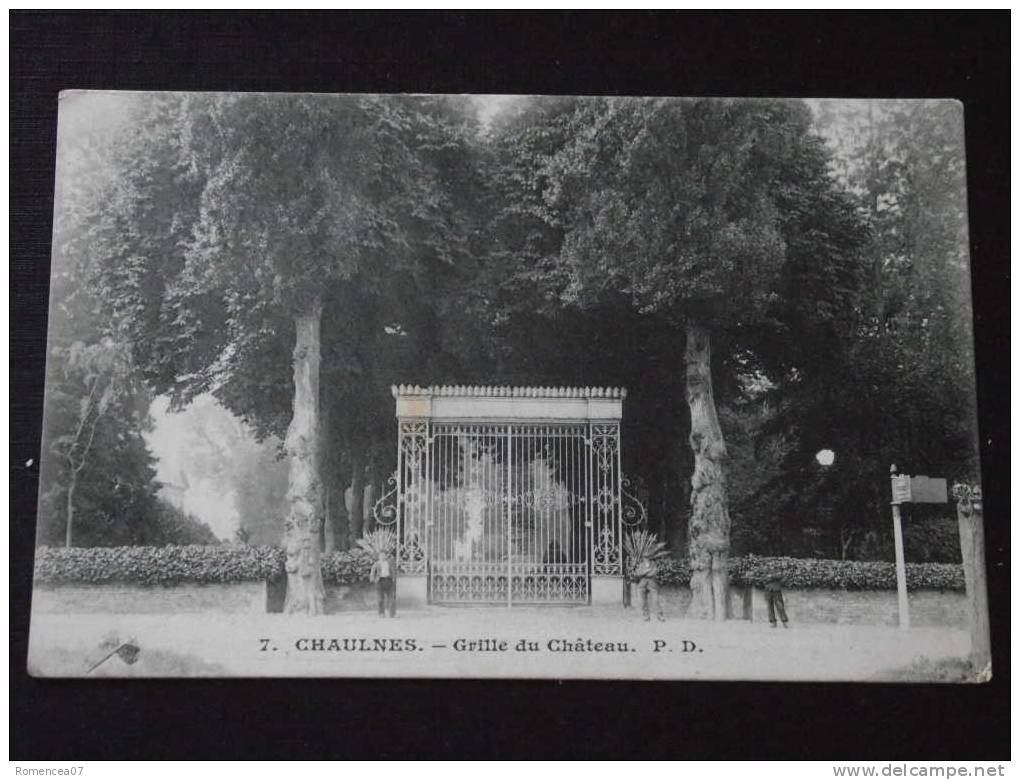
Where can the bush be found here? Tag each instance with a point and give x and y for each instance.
(673, 571)
(196, 564)
(346, 567)
(816, 573)
(168, 565)
(845, 575)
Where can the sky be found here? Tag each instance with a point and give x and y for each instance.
(490, 105)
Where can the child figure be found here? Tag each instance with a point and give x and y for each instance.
(383, 575)
(774, 597)
(648, 586)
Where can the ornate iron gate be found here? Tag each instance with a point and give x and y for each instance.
(508, 514)
(507, 511)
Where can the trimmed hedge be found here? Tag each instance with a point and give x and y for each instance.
(844, 575)
(196, 564)
(754, 571)
(673, 571)
(177, 564)
(345, 567)
(168, 565)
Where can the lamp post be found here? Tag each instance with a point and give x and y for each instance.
(824, 459)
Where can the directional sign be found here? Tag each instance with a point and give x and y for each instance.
(900, 489)
(918, 490)
(928, 490)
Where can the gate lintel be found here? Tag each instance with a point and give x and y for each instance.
(458, 402)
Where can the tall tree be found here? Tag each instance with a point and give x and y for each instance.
(527, 334)
(99, 485)
(682, 209)
(98, 480)
(102, 372)
(249, 220)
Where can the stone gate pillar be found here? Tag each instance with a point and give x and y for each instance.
(970, 514)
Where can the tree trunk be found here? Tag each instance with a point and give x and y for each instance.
(70, 507)
(328, 533)
(368, 501)
(709, 525)
(305, 592)
(374, 488)
(327, 467)
(355, 495)
(341, 523)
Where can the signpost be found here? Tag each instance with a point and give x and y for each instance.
(910, 490)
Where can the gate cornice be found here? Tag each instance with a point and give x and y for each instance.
(509, 404)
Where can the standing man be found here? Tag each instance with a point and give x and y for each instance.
(774, 597)
(383, 576)
(648, 586)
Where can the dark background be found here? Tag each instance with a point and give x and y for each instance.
(957, 55)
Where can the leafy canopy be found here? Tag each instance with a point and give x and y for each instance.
(676, 203)
(231, 213)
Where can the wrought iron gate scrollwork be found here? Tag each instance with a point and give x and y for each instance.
(412, 510)
(384, 511)
(508, 512)
(607, 558)
(635, 513)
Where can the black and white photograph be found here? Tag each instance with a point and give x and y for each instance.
(476, 386)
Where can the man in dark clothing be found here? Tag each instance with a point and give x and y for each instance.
(774, 597)
(645, 574)
(383, 575)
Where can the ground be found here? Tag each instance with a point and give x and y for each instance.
(582, 642)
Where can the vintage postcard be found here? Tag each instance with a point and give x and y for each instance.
(509, 386)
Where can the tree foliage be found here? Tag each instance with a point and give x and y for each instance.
(637, 216)
(98, 476)
(574, 241)
(243, 207)
(895, 384)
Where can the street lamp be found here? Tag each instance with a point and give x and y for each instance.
(825, 457)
